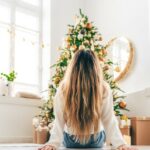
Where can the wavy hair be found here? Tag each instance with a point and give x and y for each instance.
(83, 92)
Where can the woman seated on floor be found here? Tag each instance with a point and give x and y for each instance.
(83, 106)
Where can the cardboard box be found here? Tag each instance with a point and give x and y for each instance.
(140, 130)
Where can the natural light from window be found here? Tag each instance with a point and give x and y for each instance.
(22, 46)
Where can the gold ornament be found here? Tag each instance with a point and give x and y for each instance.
(100, 56)
(100, 38)
(67, 54)
(105, 68)
(73, 48)
(81, 47)
(70, 29)
(57, 80)
(50, 104)
(100, 53)
(122, 104)
(68, 45)
(101, 59)
(83, 24)
(104, 51)
(47, 115)
(83, 19)
(67, 39)
(59, 48)
(115, 96)
(124, 117)
(117, 69)
(89, 25)
(86, 42)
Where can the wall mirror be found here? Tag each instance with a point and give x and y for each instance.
(122, 53)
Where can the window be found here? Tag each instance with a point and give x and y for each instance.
(21, 45)
(33, 2)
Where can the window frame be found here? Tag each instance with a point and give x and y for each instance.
(33, 11)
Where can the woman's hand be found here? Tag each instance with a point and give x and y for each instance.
(125, 147)
(47, 147)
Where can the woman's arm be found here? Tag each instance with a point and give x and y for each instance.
(109, 121)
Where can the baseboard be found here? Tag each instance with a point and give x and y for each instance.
(16, 139)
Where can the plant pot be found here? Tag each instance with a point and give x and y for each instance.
(3, 88)
(9, 88)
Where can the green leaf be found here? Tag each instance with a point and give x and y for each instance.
(81, 12)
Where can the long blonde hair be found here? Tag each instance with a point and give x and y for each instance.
(83, 91)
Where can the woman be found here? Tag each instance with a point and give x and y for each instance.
(83, 106)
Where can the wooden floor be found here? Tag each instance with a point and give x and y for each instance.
(35, 147)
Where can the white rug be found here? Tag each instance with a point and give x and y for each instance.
(19, 146)
(36, 146)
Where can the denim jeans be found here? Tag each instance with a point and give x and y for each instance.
(98, 142)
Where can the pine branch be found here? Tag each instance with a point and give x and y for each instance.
(80, 11)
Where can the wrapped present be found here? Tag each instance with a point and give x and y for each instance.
(127, 139)
(124, 123)
(42, 134)
(125, 130)
(34, 133)
(40, 131)
(35, 124)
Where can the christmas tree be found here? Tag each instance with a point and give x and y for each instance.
(82, 35)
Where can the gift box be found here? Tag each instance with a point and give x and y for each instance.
(40, 131)
(127, 139)
(42, 134)
(140, 130)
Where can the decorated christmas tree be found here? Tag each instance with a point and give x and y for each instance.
(82, 35)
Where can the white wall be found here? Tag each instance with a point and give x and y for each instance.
(62, 14)
(138, 103)
(16, 116)
(128, 18)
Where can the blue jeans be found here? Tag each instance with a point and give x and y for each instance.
(98, 142)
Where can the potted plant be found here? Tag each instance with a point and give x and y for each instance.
(8, 79)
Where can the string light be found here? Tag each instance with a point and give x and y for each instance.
(33, 43)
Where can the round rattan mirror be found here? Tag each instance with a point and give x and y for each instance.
(122, 53)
